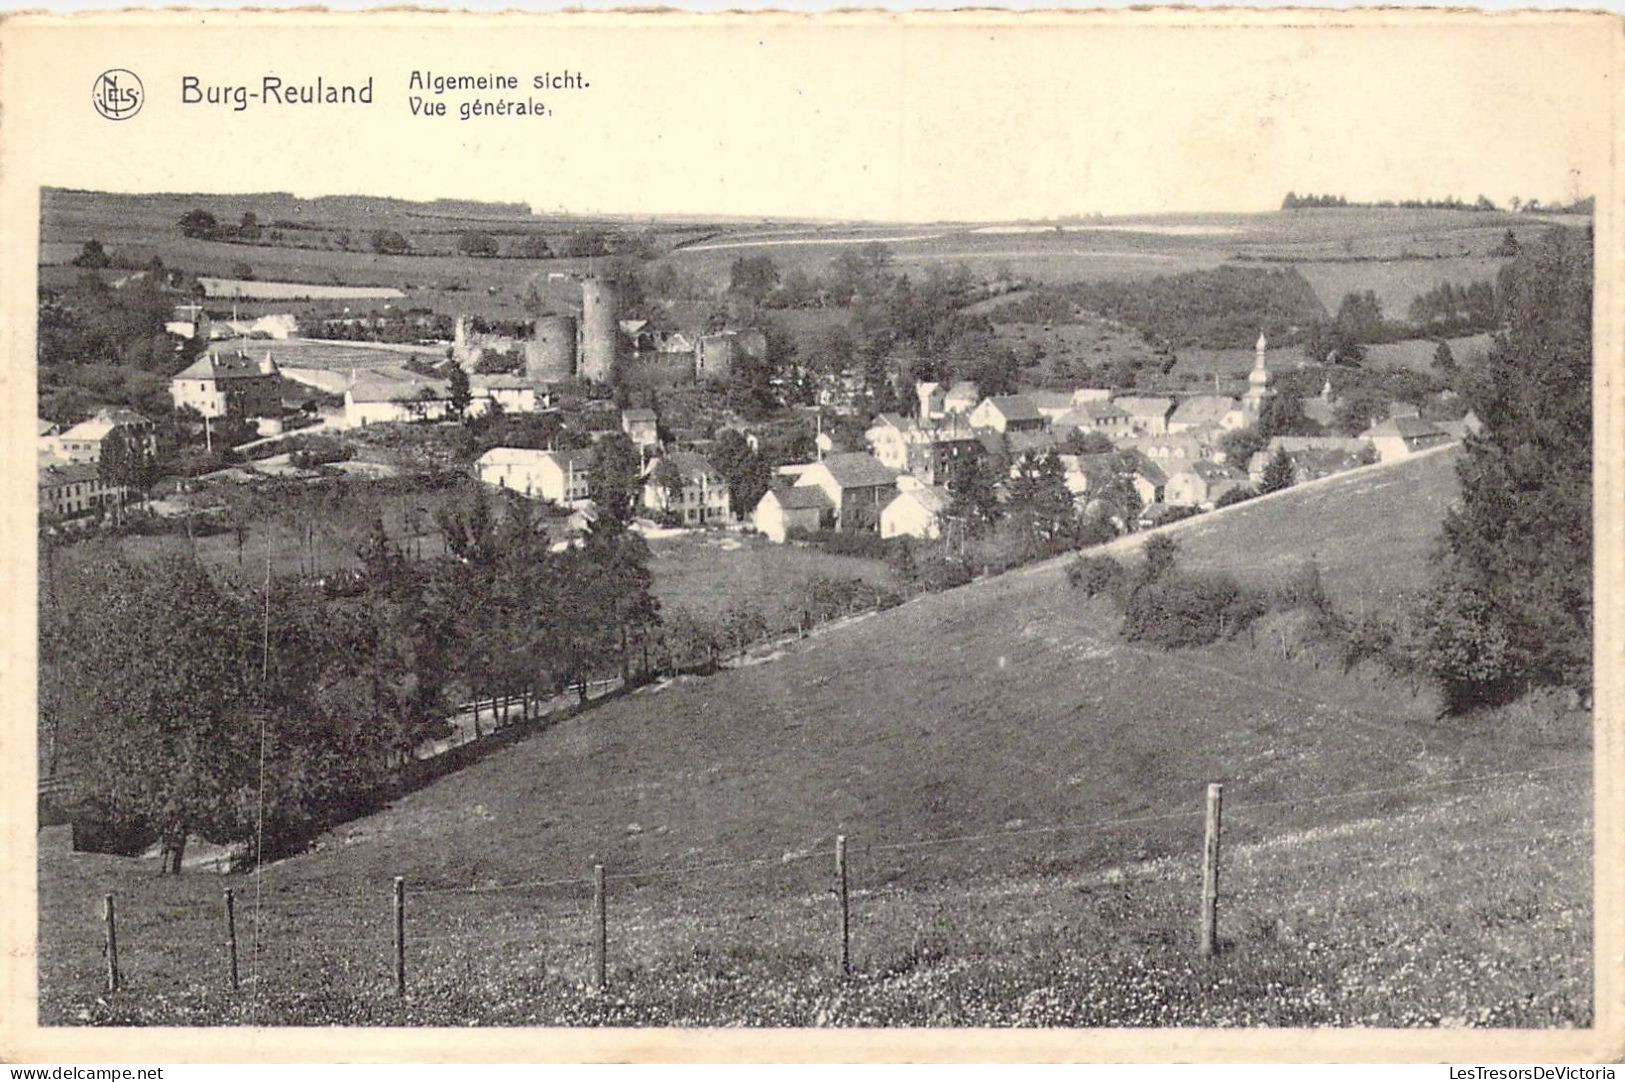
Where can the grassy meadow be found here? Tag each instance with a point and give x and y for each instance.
(706, 573)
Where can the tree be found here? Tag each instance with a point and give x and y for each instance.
(198, 223)
(158, 698)
(1241, 444)
(975, 501)
(1040, 503)
(616, 477)
(1278, 474)
(1514, 595)
(389, 242)
(748, 473)
(126, 464)
(1443, 359)
(1081, 442)
(1508, 248)
(754, 278)
(461, 391)
(249, 227)
(92, 256)
(535, 246)
(1161, 554)
(477, 242)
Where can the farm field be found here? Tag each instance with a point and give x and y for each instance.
(1403, 244)
(703, 574)
(954, 739)
(1395, 282)
(1417, 353)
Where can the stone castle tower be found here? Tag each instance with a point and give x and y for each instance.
(599, 331)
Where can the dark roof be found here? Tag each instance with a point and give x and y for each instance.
(801, 498)
(858, 469)
(223, 366)
(1016, 407)
(689, 465)
(67, 474)
(1407, 427)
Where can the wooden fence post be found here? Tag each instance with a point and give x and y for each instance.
(111, 944)
(231, 936)
(400, 936)
(841, 897)
(601, 928)
(1210, 873)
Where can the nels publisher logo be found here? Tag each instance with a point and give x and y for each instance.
(118, 94)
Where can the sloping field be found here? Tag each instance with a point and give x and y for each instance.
(1022, 790)
(1372, 531)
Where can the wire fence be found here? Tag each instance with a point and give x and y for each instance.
(838, 905)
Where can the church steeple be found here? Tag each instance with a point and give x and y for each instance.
(1258, 380)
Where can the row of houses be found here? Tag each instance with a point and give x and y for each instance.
(71, 479)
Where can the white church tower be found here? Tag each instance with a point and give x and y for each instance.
(1258, 382)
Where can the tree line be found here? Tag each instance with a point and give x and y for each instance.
(166, 687)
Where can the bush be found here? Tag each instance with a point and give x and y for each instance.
(1181, 609)
(1239, 494)
(858, 543)
(1094, 574)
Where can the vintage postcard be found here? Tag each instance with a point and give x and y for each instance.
(654, 535)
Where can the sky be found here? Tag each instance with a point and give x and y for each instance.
(904, 118)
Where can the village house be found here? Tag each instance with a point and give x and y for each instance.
(1007, 413)
(561, 477)
(1321, 409)
(1200, 484)
(801, 507)
(397, 395)
(510, 394)
(220, 385)
(943, 450)
(857, 486)
(188, 321)
(888, 439)
(962, 397)
(1399, 437)
(1103, 417)
(917, 511)
(685, 484)
(1167, 451)
(1310, 463)
(1088, 475)
(1148, 414)
(88, 440)
(641, 426)
(932, 399)
(1203, 411)
(1051, 404)
(516, 469)
(930, 451)
(69, 489)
